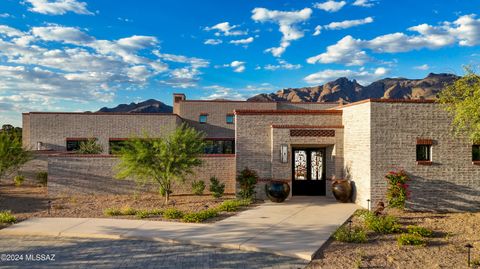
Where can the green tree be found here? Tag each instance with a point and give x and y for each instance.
(12, 155)
(162, 161)
(9, 129)
(462, 100)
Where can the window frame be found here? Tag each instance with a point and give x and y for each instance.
(215, 145)
(230, 116)
(201, 116)
(429, 158)
(476, 160)
(78, 140)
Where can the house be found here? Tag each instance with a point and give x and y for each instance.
(303, 144)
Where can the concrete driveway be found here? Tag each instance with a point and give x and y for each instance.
(296, 228)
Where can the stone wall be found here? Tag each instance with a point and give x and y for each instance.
(96, 174)
(451, 183)
(52, 129)
(357, 150)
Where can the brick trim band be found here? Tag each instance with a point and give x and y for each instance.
(320, 133)
(424, 141)
(308, 126)
(287, 112)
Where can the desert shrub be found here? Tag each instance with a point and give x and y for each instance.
(382, 224)
(128, 211)
(172, 213)
(216, 187)
(411, 240)
(233, 205)
(141, 214)
(112, 212)
(418, 230)
(247, 181)
(200, 216)
(397, 190)
(18, 180)
(198, 187)
(7, 217)
(42, 178)
(90, 147)
(356, 235)
(362, 213)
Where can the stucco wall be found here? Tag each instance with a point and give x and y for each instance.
(52, 129)
(451, 183)
(96, 174)
(357, 150)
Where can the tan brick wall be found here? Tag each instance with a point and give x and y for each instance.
(357, 150)
(452, 183)
(254, 138)
(88, 175)
(52, 129)
(306, 106)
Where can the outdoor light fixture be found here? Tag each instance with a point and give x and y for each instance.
(468, 246)
(368, 201)
(284, 153)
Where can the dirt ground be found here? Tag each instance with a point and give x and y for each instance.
(452, 231)
(32, 201)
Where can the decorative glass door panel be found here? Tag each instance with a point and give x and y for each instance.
(300, 166)
(308, 171)
(316, 164)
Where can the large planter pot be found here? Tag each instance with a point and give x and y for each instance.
(277, 191)
(342, 190)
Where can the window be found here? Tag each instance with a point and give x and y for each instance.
(229, 118)
(203, 118)
(116, 145)
(73, 144)
(216, 146)
(476, 153)
(424, 153)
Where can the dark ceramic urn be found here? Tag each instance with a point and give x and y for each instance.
(342, 190)
(277, 191)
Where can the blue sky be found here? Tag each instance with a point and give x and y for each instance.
(77, 55)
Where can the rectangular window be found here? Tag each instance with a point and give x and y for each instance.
(476, 153)
(424, 153)
(219, 146)
(230, 118)
(203, 118)
(73, 144)
(116, 145)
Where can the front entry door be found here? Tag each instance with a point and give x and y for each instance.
(308, 171)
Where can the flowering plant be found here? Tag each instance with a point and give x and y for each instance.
(397, 191)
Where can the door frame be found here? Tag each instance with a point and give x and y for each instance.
(321, 183)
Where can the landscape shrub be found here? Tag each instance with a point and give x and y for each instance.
(128, 211)
(112, 212)
(90, 147)
(382, 224)
(42, 178)
(7, 217)
(200, 216)
(247, 180)
(141, 214)
(172, 213)
(418, 230)
(216, 188)
(397, 190)
(18, 180)
(355, 235)
(198, 187)
(233, 205)
(411, 240)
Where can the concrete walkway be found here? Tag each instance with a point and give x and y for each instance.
(296, 228)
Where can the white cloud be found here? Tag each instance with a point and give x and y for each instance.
(10, 32)
(5, 15)
(364, 3)
(282, 65)
(220, 92)
(330, 6)
(224, 28)
(242, 41)
(318, 30)
(213, 42)
(238, 66)
(465, 31)
(286, 21)
(58, 7)
(347, 24)
(422, 67)
(362, 76)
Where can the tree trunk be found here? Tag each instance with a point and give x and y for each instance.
(167, 197)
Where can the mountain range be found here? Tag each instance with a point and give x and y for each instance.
(341, 89)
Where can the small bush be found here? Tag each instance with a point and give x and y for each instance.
(382, 224)
(172, 213)
(112, 212)
(141, 214)
(200, 216)
(198, 187)
(42, 178)
(7, 217)
(128, 211)
(216, 187)
(362, 213)
(418, 230)
(90, 147)
(397, 191)
(356, 235)
(247, 181)
(18, 180)
(233, 205)
(411, 240)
